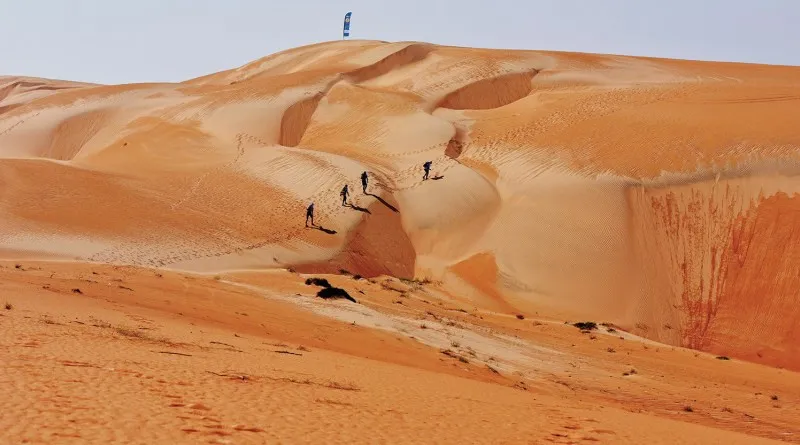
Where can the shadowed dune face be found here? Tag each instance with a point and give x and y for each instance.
(757, 314)
(406, 56)
(602, 187)
(377, 246)
(296, 119)
(719, 267)
(490, 93)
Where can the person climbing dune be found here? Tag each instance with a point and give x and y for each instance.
(310, 214)
(427, 167)
(364, 179)
(344, 194)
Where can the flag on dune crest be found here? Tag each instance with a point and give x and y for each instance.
(346, 30)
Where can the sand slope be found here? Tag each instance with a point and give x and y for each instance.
(106, 354)
(660, 195)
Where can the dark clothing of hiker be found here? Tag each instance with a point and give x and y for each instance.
(310, 214)
(364, 182)
(344, 193)
(427, 167)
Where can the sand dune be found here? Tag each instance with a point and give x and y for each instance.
(658, 195)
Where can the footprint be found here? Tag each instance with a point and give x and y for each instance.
(73, 435)
(199, 406)
(78, 364)
(251, 429)
(218, 433)
(602, 431)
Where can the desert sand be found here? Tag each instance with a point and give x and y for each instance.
(155, 252)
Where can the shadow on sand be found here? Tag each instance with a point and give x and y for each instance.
(383, 201)
(322, 229)
(360, 209)
(436, 178)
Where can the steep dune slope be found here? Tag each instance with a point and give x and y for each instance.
(660, 195)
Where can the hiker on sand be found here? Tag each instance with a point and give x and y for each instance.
(427, 167)
(344, 194)
(364, 179)
(310, 214)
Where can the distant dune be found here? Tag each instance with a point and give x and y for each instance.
(659, 195)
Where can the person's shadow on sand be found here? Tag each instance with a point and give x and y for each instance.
(383, 201)
(360, 209)
(322, 229)
(436, 178)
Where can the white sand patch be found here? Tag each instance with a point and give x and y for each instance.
(473, 343)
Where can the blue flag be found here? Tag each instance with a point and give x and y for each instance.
(346, 30)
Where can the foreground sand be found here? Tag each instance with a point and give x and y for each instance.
(105, 354)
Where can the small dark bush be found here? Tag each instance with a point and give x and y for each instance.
(520, 317)
(335, 292)
(318, 282)
(722, 357)
(357, 277)
(585, 325)
(452, 354)
(9, 306)
(774, 397)
(77, 291)
(688, 409)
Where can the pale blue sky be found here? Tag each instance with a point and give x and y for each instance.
(114, 41)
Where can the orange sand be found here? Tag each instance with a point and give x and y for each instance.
(660, 196)
(139, 355)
